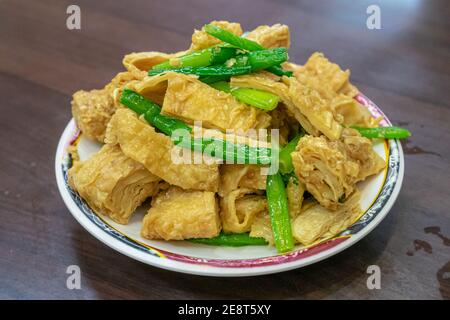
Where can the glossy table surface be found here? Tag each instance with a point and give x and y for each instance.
(404, 67)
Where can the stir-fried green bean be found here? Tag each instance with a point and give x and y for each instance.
(222, 86)
(279, 71)
(279, 213)
(217, 148)
(242, 64)
(138, 103)
(242, 43)
(285, 163)
(202, 58)
(262, 59)
(257, 98)
(227, 151)
(166, 125)
(219, 70)
(231, 38)
(231, 240)
(253, 97)
(384, 132)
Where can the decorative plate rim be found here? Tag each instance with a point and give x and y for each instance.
(234, 267)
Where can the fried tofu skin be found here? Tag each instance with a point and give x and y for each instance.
(202, 40)
(112, 184)
(318, 223)
(241, 196)
(294, 192)
(138, 63)
(178, 214)
(153, 88)
(262, 227)
(334, 87)
(330, 169)
(139, 141)
(234, 176)
(325, 77)
(191, 100)
(93, 109)
(360, 149)
(303, 102)
(353, 113)
(317, 110)
(269, 82)
(239, 208)
(275, 36)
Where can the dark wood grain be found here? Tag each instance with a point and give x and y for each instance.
(404, 68)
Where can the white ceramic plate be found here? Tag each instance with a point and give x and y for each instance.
(378, 195)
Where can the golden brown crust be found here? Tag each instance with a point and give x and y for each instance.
(139, 141)
(178, 214)
(275, 36)
(191, 100)
(202, 40)
(239, 208)
(318, 223)
(93, 109)
(113, 184)
(330, 169)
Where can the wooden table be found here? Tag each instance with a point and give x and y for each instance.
(404, 67)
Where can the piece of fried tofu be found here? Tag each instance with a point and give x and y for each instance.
(191, 100)
(275, 36)
(234, 176)
(93, 109)
(317, 110)
(267, 81)
(317, 223)
(330, 169)
(239, 208)
(326, 77)
(202, 40)
(112, 183)
(139, 141)
(138, 63)
(178, 214)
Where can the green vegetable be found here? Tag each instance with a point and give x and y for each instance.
(279, 71)
(212, 79)
(256, 98)
(222, 86)
(211, 73)
(285, 163)
(279, 213)
(231, 240)
(290, 176)
(218, 148)
(203, 58)
(262, 59)
(138, 103)
(384, 132)
(227, 151)
(231, 38)
(166, 125)
(242, 43)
